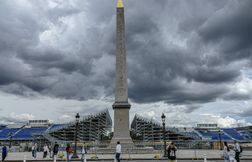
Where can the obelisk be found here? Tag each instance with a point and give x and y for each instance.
(121, 105)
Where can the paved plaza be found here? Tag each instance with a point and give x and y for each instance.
(138, 160)
(183, 155)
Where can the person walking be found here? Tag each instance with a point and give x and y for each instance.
(68, 152)
(45, 151)
(4, 152)
(226, 153)
(83, 153)
(118, 151)
(55, 150)
(34, 150)
(237, 150)
(171, 150)
(50, 150)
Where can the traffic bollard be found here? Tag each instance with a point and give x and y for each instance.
(205, 158)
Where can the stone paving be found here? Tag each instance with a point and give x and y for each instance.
(181, 154)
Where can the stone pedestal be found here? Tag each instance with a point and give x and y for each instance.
(121, 125)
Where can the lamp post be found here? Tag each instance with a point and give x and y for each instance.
(10, 138)
(77, 117)
(220, 138)
(164, 139)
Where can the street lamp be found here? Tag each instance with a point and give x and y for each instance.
(10, 138)
(77, 117)
(220, 138)
(163, 122)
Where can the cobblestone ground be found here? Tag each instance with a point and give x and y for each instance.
(182, 154)
(177, 161)
(135, 161)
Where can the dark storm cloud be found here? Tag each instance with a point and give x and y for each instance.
(176, 50)
(230, 27)
(161, 71)
(237, 96)
(28, 65)
(192, 108)
(213, 74)
(247, 113)
(49, 58)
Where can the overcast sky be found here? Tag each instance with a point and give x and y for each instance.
(191, 59)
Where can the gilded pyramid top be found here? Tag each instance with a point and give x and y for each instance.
(119, 4)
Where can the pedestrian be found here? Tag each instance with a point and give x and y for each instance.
(226, 153)
(45, 151)
(237, 150)
(171, 150)
(118, 151)
(83, 153)
(68, 152)
(50, 150)
(4, 152)
(55, 150)
(34, 150)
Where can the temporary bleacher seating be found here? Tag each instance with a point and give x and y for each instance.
(246, 135)
(55, 127)
(222, 136)
(214, 135)
(7, 132)
(27, 133)
(233, 133)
